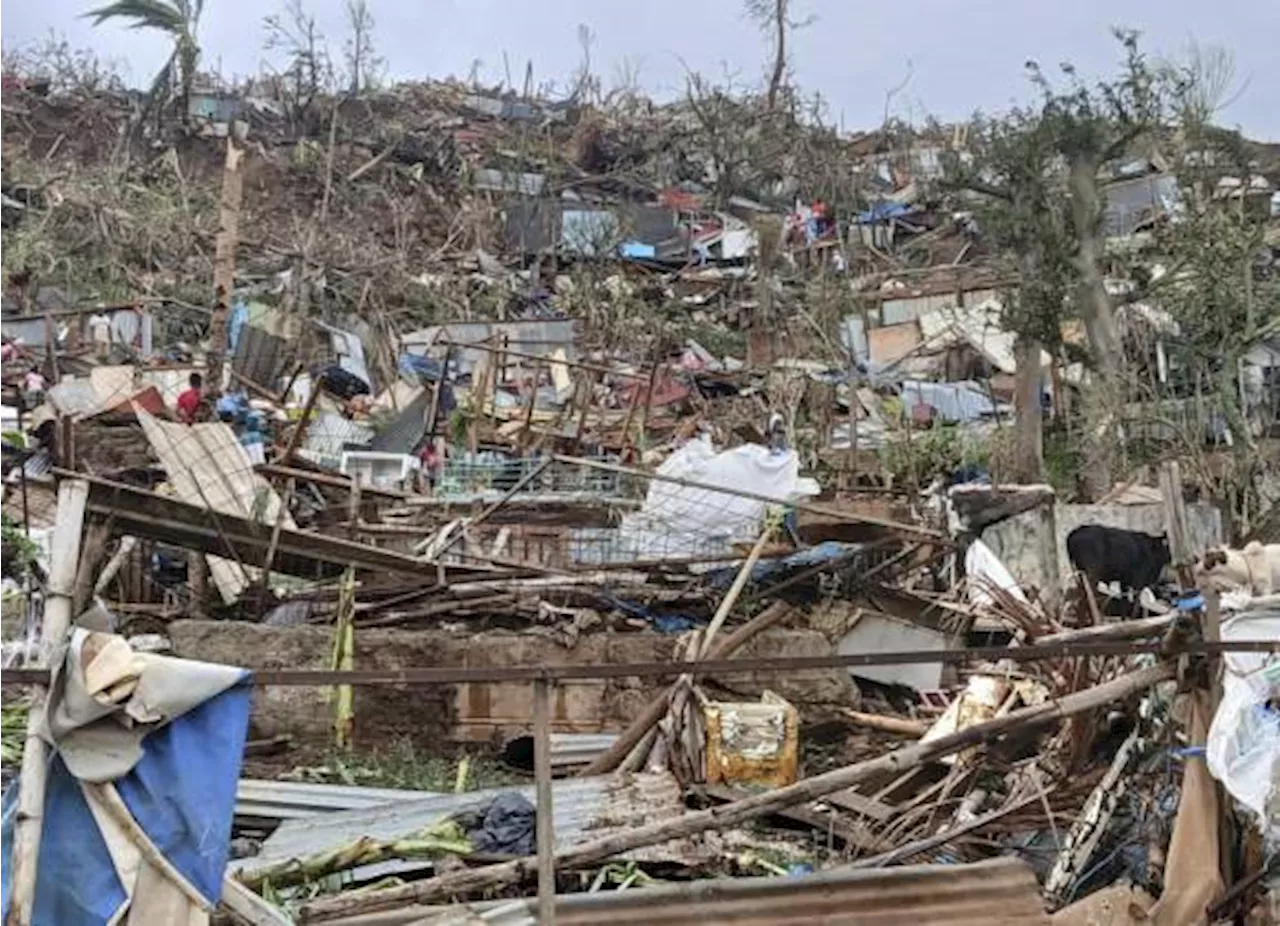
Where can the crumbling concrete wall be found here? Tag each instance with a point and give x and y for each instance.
(477, 712)
(1020, 541)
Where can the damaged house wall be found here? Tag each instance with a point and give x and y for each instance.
(478, 712)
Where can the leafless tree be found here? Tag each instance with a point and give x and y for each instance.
(774, 19)
(363, 62)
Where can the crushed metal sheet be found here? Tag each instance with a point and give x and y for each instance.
(404, 431)
(585, 808)
(1001, 892)
(541, 338)
(208, 467)
(295, 800)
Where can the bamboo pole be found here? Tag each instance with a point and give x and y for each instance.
(734, 593)
(898, 725)
(739, 812)
(72, 497)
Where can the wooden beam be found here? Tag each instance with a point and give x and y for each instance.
(333, 480)
(147, 514)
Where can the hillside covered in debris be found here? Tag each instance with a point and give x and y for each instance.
(708, 512)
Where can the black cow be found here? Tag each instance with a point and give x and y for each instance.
(1109, 554)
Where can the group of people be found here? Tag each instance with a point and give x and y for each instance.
(196, 405)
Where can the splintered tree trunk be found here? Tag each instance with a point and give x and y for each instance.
(1104, 398)
(1028, 425)
(224, 260)
(780, 51)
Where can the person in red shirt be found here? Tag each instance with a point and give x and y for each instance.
(189, 401)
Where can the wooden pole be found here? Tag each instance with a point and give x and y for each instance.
(300, 429)
(525, 432)
(648, 402)
(545, 821)
(735, 591)
(1176, 515)
(1121, 630)
(72, 498)
(353, 506)
(748, 808)
(899, 725)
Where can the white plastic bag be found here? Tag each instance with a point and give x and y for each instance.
(1243, 746)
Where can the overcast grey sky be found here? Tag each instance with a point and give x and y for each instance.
(963, 56)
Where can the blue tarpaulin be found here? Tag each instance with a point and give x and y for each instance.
(181, 793)
(883, 212)
(825, 552)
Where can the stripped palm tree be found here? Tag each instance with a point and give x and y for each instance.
(176, 18)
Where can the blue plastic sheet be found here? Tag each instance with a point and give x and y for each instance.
(825, 552)
(182, 793)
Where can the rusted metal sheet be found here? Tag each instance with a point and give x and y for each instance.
(752, 742)
(1002, 892)
(584, 808)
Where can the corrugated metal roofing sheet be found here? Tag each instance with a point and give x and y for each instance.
(404, 431)
(208, 467)
(583, 807)
(1002, 892)
(262, 357)
(295, 800)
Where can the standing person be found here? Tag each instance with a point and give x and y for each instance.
(33, 388)
(189, 401)
(100, 334)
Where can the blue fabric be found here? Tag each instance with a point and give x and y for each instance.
(1190, 603)
(76, 884)
(182, 793)
(882, 212)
